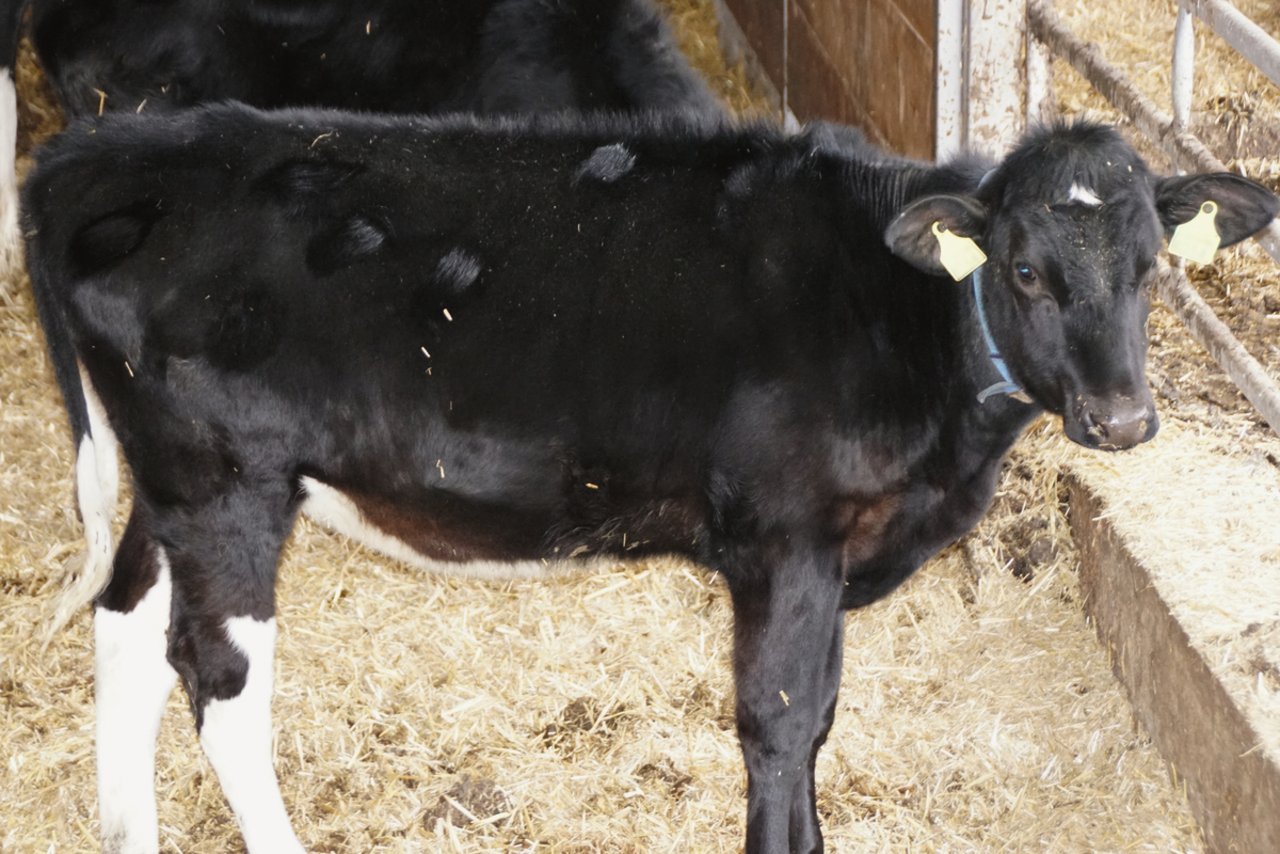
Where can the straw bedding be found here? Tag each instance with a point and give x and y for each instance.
(594, 713)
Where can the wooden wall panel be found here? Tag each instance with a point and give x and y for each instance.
(821, 80)
(868, 63)
(921, 15)
(899, 62)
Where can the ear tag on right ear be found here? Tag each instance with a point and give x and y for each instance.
(960, 255)
(1197, 238)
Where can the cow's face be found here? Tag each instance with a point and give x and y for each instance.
(1071, 223)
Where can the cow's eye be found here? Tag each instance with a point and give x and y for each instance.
(1025, 272)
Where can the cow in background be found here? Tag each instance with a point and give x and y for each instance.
(401, 56)
(723, 343)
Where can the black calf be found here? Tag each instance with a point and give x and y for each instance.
(613, 338)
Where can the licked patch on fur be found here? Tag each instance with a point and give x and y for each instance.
(356, 237)
(607, 164)
(457, 271)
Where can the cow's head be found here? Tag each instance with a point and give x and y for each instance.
(1071, 222)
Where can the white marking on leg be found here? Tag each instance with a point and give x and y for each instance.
(236, 735)
(331, 508)
(132, 682)
(10, 237)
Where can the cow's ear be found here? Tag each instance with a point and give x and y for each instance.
(911, 234)
(1244, 206)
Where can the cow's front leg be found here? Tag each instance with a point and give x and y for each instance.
(788, 640)
(132, 683)
(222, 643)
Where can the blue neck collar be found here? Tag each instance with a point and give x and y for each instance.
(1006, 384)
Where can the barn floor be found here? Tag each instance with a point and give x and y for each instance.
(594, 713)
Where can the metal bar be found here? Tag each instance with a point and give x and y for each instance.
(1244, 370)
(1186, 150)
(949, 120)
(1253, 42)
(1039, 107)
(786, 57)
(1184, 65)
(994, 98)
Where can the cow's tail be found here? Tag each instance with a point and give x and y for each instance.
(96, 470)
(97, 493)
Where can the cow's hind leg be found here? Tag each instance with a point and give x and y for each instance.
(788, 642)
(132, 683)
(222, 642)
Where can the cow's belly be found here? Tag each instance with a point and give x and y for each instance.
(421, 544)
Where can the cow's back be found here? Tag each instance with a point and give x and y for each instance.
(388, 55)
(482, 275)
(148, 55)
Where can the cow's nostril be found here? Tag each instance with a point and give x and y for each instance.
(1094, 428)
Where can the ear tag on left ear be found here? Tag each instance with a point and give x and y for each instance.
(1197, 238)
(960, 255)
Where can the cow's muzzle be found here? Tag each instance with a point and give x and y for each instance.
(1112, 423)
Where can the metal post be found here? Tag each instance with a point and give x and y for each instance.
(1237, 30)
(1039, 81)
(1184, 60)
(949, 134)
(995, 98)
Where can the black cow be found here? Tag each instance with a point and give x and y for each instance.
(403, 56)
(473, 342)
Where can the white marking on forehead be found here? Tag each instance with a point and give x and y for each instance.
(1083, 195)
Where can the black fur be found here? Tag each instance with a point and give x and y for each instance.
(377, 55)
(714, 355)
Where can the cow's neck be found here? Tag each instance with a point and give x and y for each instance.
(1005, 384)
(884, 188)
(995, 406)
(998, 401)
(875, 193)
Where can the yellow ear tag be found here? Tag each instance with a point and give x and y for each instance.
(1198, 238)
(960, 255)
